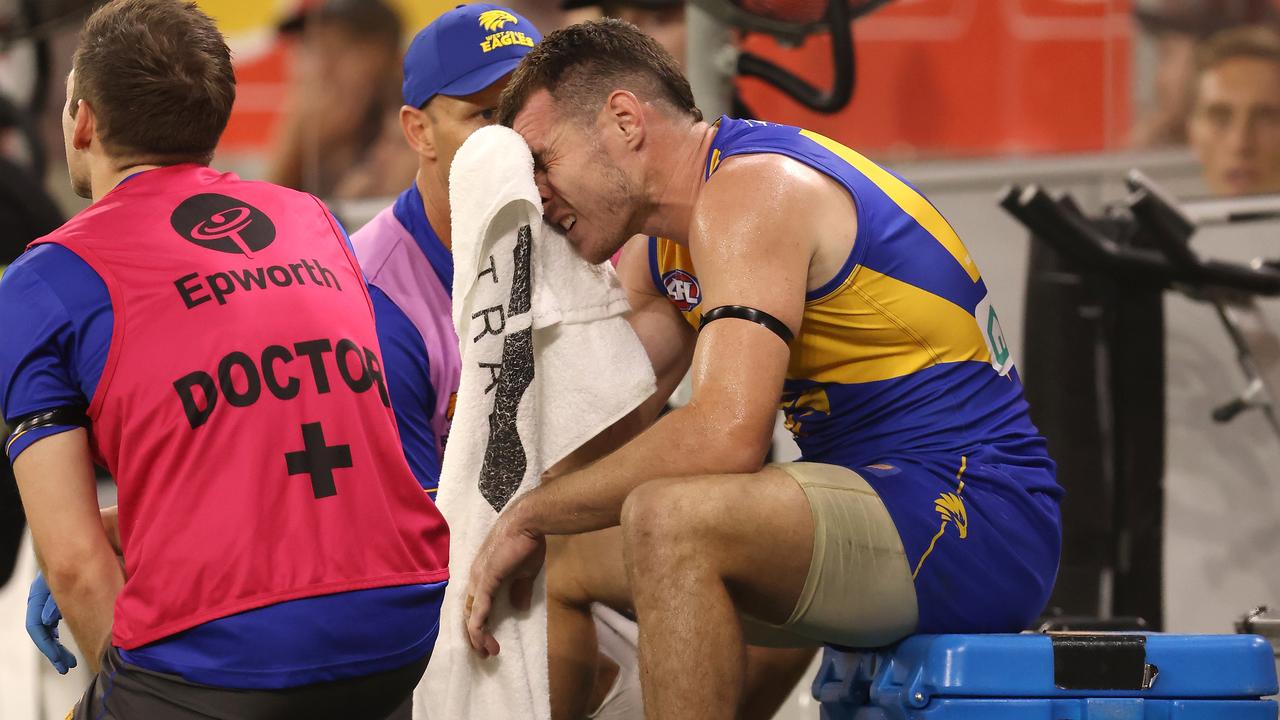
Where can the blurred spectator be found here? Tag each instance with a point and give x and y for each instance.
(344, 96)
(1176, 27)
(1234, 127)
(546, 14)
(26, 213)
(663, 20)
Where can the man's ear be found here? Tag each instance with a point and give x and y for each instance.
(624, 115)
(419, 131)
(85, 128)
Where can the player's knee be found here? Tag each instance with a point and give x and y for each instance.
(661, 520)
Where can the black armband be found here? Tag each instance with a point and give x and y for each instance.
(57, 417)
(742, 312)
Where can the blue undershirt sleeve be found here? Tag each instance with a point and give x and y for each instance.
(51, 353)
(413, 399)
(345, 235)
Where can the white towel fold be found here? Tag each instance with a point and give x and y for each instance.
(548, 361)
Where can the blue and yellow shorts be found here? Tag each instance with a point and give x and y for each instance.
(924, 544)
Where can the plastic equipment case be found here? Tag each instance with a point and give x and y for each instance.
(1057, 676)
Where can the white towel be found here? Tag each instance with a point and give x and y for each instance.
(548, 361)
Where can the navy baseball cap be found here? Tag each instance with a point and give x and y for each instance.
(465, 51)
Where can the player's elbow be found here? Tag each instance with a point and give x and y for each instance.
(72, 573)
(735, 444)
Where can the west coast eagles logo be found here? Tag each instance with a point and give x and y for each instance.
(493, 21)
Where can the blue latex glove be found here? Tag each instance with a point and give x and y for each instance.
(42, 625)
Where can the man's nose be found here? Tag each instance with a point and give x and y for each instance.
(1240, 136)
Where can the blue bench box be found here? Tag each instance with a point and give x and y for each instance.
(1056, 676)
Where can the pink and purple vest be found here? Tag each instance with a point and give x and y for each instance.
(393, 261)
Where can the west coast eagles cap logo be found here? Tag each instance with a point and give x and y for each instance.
(495, 20)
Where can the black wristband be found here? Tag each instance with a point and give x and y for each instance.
(742, 312)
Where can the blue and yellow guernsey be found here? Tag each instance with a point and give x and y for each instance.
(901, 373)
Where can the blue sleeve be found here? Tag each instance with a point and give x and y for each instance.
(345, 235)
(413, 399)
(653, 266)
(55, 321)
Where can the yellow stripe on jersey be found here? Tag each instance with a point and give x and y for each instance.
(911, 202)
(900, 329)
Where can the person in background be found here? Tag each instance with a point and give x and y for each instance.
(662, 20)
(1175, 28)
(1234, 127)
(451, 88)
(341, 110)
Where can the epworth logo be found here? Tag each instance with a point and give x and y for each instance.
(222, 223)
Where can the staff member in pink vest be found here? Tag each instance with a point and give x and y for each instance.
(210, 341)
(454, 70)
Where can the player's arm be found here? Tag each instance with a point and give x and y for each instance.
(668, 341)
(59, 493)
(752, 239)
(111, 526)
(43, 364)
(753, 232)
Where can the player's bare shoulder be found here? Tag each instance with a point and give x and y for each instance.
(781, 201)
(770, 183)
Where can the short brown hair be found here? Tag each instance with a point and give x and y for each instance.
(581, 64)
(1253, 41)
(158, 76)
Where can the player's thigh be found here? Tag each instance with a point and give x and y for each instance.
(807, 548)
(858, 590)
(587, 568)
(755, 529)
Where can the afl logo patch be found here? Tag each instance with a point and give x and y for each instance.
(222, 223)
(683, 289)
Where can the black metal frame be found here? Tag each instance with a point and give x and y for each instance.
(837, 20)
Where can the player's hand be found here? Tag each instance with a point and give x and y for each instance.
(42, 625)
(510, 552)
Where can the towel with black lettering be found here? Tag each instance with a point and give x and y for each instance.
(548, 361)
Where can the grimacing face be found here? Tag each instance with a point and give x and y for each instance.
(585, 193)
(77, 163)
(1234, 128)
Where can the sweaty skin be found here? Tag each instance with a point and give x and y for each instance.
(763, 231)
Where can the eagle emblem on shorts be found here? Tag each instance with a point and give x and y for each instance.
(951, 509)
(494, 20)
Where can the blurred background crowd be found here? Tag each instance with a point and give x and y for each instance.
(935, 79)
